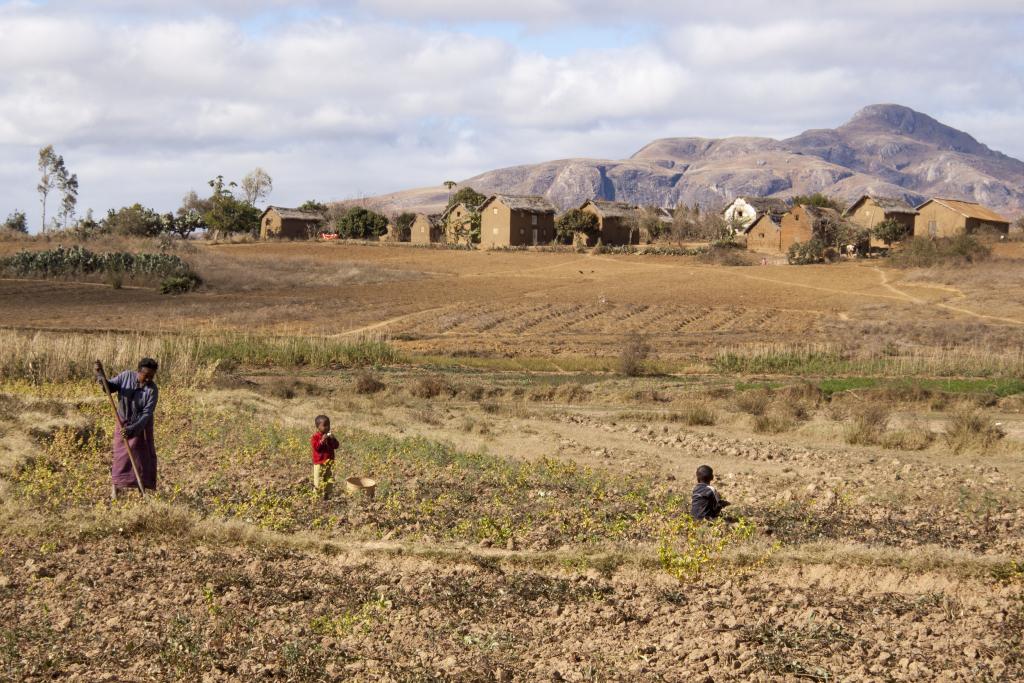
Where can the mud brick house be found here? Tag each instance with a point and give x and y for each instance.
(941, 217)
(455, 222)
(281, 223)
(426, 229)
(743, 212)
(803, 223)
(764, 235)
(516, 220)
(868, 211)
(613, 221)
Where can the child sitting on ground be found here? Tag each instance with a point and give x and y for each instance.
(324, 444)
(706, 503)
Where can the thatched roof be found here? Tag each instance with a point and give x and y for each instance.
(610, 209)
(292, 214)
(762, 217)
(820, 213)
(773, 205)
(969, 209)
(887, 204)
(517, 202)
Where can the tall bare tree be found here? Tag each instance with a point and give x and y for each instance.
(68, 186)
(256, 185)
(48, 180)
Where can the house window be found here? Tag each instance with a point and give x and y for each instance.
(533, 219)
(495, 231)
(495, 211)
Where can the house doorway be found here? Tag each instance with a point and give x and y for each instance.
(535, 237)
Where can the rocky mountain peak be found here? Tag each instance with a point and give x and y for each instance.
(896, 119)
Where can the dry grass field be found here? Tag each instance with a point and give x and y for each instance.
(530, 521)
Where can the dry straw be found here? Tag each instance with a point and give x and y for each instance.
(48, 356)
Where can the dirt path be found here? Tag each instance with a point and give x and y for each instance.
(958, 295)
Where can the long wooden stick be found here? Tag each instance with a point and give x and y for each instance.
(120, 426)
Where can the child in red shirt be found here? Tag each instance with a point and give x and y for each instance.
(324, 444)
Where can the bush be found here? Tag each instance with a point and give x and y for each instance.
(361, 224)
(135, 220)
(114, 266)
(890, 231)
(634, 354)
(431, 387)
(969, 430)
(805, 253)
(576, 222)
(179, 284)
(368, 384)
(15, 222)
(915, 438)
(773, 424)
(754, 402)
(922, 252)
(868, 425)
(725, 254)
(698, 414)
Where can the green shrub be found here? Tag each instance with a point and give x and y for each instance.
(805, 253)
(114, 266)
(179, 284)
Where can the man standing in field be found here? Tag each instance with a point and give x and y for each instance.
(137, 395)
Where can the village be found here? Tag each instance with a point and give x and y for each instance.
(808, 229)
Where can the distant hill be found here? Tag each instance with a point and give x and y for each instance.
(884, 149)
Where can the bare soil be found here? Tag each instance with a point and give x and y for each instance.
(539, 303)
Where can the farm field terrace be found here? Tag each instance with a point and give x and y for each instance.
(544, 304)
(528, 525)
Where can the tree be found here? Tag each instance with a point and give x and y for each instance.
(189, 216)
(135, 221)
(360, 223)
(68, 185)
(403, 226)
(313, 206)
(645, 224)
(16, 222)
(468, 196)
(818, 199)
(225, 213)
(466, 230)
(574, 222)
(449, 184)
(256, 185)
(48, 180)
(890, 231)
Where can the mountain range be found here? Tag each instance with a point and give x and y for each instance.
(884, 149)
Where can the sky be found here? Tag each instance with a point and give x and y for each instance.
(340, 100)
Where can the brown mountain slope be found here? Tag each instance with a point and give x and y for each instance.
(884, 149)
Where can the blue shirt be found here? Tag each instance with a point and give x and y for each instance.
(135, 404)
